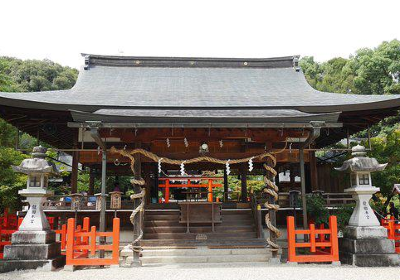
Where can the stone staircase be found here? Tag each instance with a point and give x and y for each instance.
(162, 228)
(166, 241)
(154, 256)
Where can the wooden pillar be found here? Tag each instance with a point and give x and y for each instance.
(91, 182)
(292, 177)
(74, 171)
(103, 220)
(243, 180)
(156, 189)
(313, 171)
(147, 178)
(303, 191)
(226, 186)
(137, 223)
(166, 196)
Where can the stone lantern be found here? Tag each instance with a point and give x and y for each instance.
(38, 170)
(34, 245)
(360, 168)
(365, 241)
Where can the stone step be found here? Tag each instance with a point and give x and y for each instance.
(236, 212)
(165, 222)
(199, 229)
(162, 212)
(203, 252)
(204, 259)
(151, 217)
(179, 243)
(214, 235)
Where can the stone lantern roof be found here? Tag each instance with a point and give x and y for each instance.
(36, 164)
(361, 162)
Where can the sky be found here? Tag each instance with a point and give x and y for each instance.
(63, 29)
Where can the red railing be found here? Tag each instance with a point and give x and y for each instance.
(80, 242)
(393, 231)
(322, 245)
(187, 182)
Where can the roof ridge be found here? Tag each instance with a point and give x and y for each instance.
(188, 62)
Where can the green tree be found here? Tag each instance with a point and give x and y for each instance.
(18, 75)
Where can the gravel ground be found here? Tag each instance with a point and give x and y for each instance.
(210, 272)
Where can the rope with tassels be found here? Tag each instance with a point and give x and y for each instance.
(271, 189)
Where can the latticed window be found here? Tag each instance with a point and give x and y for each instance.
(363, 179)
(34, 181)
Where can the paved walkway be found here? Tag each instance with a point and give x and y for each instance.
(217, 272)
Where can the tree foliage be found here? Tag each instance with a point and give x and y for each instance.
(368, 71)
(18, 75)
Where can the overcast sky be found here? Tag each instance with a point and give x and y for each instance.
(62, 29)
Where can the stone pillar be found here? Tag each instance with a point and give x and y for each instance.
(365, 242)
(33, 245)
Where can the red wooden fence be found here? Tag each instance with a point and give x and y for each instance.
(80, 242)
(319, 248)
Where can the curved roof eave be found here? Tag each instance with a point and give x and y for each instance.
(33, 104)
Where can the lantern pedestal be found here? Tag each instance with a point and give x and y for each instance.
(34, 244)
(365, 242)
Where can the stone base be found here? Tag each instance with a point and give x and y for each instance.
(370, 260)
(33, 237)
(371, 248)
(32, 251)
(365, 232)
(46, 265)
(367, 246)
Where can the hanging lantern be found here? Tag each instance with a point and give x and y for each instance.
(168, 143)
(203, 148)
(186, 142)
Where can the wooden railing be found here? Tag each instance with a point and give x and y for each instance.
(331, 199)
